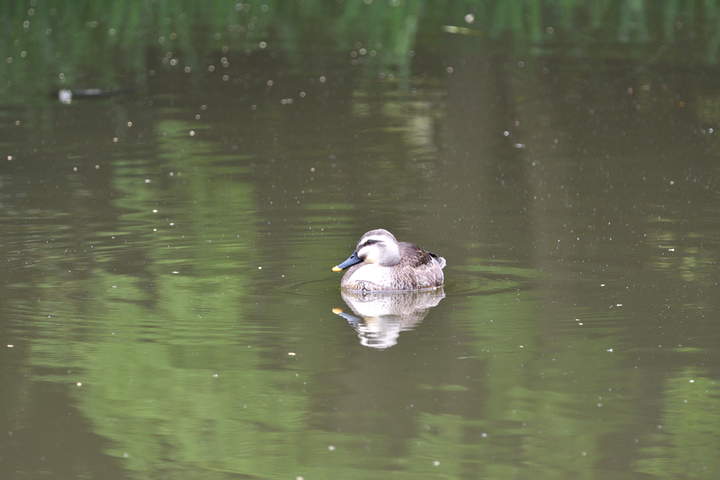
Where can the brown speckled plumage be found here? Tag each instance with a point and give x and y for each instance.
(389, 265)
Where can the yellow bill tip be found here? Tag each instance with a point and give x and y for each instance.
(337, 311)
(336, 269)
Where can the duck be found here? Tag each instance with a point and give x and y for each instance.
(382, 264)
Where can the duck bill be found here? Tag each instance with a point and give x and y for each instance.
(352, 260)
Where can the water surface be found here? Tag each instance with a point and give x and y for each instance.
(167, 300)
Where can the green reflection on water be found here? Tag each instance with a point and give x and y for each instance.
(157, 326)
(183, 356)
(684, 443)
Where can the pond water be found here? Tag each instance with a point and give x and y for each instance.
(168, 308)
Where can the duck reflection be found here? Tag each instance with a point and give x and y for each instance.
(380, 317)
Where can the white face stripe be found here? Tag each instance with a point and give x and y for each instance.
(375, 238)
(379, 238)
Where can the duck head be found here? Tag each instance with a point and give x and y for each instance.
(376, 246)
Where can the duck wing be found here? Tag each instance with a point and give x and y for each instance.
(414, 256)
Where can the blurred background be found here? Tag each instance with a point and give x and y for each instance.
(177, 178)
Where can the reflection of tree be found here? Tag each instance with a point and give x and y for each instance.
(174, 394)
(169, 361)
(684, 442)
(179, 387)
